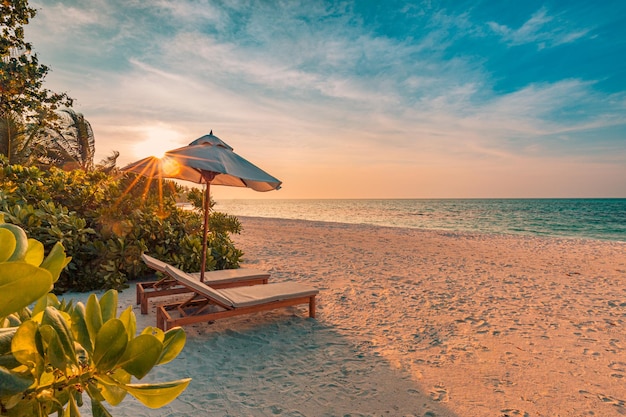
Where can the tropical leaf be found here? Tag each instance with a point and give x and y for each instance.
(73, 140)
(130, 322)
(20, 285)
(12, 383)
(93, 317)
(55, 354)
(110, 345)
(7, 244)
(56, 261)
(34, 252)
(21, 241)
(72, 409)
(24, 344)
(141, 354)
(108, 305)
(80, 329)
(154, 331)
(48, 300)
(98, 410)
(173, 344)
(58, 320)
(112, 387)
(94, 391)
(158, 394)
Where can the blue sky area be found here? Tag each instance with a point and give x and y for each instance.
(357, 99)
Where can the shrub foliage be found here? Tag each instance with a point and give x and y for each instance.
(53, 354)
(105, 222)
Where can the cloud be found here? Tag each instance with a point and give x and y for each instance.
(311, 85)
(541, 29)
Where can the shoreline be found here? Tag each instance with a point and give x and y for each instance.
(443, 232)
(413, 322)
(596, 219)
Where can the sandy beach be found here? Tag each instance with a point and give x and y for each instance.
(413, 323)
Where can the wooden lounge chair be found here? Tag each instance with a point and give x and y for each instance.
(208, 304)
(217, 279)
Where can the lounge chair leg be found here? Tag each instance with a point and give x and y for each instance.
(144, 305)
(139, 292)
(312, 307)
(160, 319)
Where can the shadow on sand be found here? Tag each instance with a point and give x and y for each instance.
(282, 365)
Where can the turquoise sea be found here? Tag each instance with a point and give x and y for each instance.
(603, 219)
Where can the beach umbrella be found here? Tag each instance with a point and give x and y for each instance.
(207, 160)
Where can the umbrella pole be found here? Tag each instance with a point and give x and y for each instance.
(208, 177)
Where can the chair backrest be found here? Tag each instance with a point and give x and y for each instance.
(197, 286)
(153, 263)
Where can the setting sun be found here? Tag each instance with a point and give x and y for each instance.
(158, 140)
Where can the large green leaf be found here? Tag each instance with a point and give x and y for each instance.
(94, 390)
(17, 406)
(112, 387)
(130, 322)
(110, 345)
(56, 261)
(93, 316)
(159, 394)
(21, 241)
(8, 361)
(154, 331)
(34, 253)
(45, 301)
(24, 344)
(80, 329)
(7, 244)
(55, 354)
(20, 285)
(141, 354)
(72, 409)
(98, 410)
(59, 321)
(12, 383)
(173, 344)
(108, 305)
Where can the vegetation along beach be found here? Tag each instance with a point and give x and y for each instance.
(320, 208)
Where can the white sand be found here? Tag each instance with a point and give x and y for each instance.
(413, 323)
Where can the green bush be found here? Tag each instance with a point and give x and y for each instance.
(106, 222)
(52, 355)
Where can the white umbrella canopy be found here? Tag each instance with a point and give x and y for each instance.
(206, 160)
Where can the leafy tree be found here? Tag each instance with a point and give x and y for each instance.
(71, 144)
(109, 164)
(20, 142)
(26, 107)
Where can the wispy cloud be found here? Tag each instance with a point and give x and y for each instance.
(315, 81)
(542, 29)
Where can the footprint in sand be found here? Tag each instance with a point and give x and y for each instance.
(611, 400)
(615, 346)
(439, 393)
(593, 353)
(620, 404)
(510, 412)
(619, 368)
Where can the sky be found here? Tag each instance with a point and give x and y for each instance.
(356, 99)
